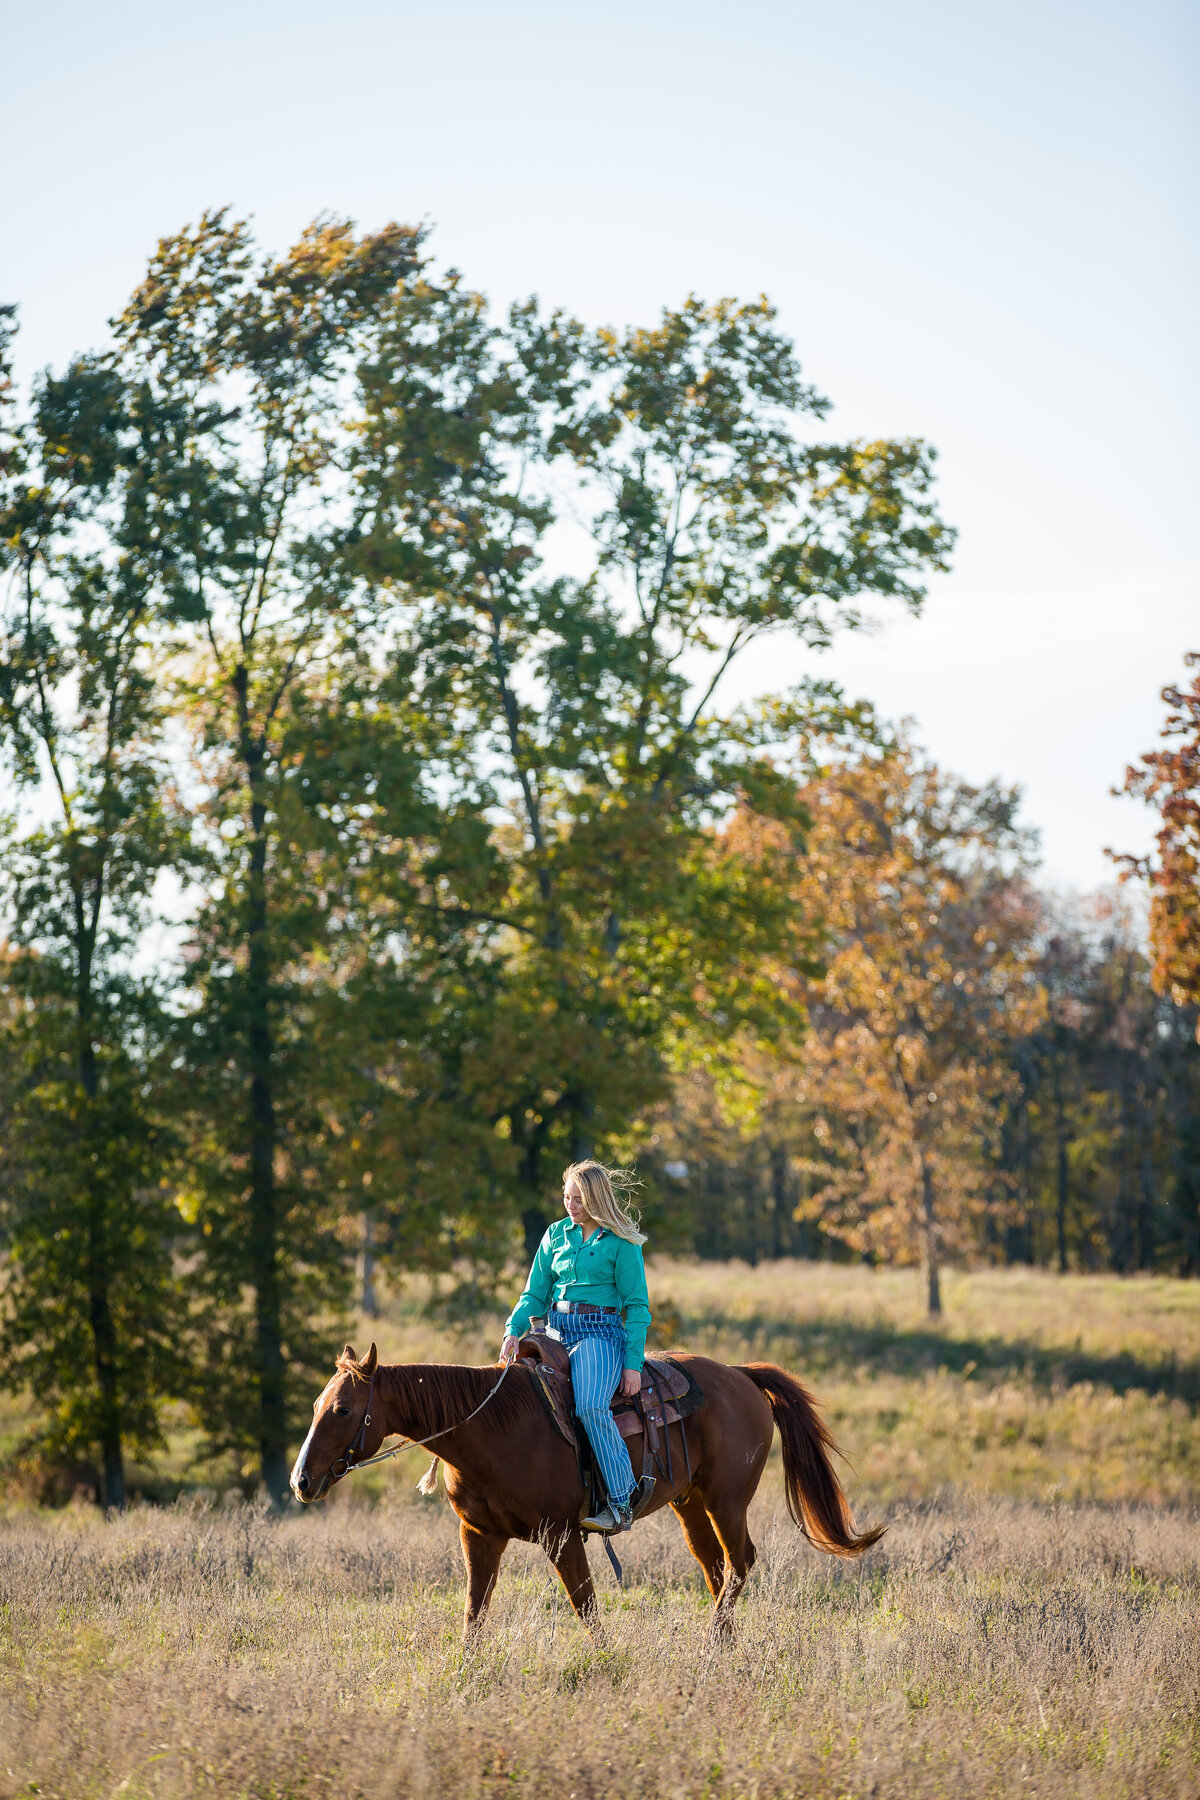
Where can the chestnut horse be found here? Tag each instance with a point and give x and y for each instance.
(510, 1475)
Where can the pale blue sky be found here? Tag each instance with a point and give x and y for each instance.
(978, 223)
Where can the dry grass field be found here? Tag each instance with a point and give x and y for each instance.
(1030, 1624)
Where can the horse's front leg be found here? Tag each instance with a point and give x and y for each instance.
(482, 1551)
(570, 1561)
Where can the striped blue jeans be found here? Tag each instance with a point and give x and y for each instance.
(596, 1345)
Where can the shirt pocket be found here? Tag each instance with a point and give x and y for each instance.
(563, 1263)
(600, 1263)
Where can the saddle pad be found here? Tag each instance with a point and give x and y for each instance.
(670, 1380)
(678, 1396)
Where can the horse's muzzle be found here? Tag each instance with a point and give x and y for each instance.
(306, 1490)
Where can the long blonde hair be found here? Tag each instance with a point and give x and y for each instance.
(600, 1187)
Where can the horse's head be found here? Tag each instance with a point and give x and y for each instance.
(340, 1425)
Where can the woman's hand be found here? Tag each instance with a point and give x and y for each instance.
(631, 1383)
(508, 1349)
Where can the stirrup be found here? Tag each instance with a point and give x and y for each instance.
(609, 1520)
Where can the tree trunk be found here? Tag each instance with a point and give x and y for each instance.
(1022, 1232)
(751, 1238)
(809, 1244)
(1062, 1193)
(1061, 1206)
(929, 1222)
(1186, 1201)
(104, 1334)
(264, 1201)
(1118, 1232)
(104, 1349)
(533, 1226)
(779, 1197)
(1147, 1211)
(1062, 1170)
(534, 1219)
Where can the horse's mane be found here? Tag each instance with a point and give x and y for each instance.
(438, 1396)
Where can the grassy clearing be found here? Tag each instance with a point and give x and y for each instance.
(1030, 1623)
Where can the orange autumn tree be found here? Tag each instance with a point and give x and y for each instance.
(1169, 780)
(919, 883)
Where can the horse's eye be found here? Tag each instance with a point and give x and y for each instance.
(343, 1412)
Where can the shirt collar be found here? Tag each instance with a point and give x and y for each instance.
(600, 1230)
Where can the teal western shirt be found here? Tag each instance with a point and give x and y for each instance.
(603, 1270)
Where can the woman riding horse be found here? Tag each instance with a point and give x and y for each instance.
(509, 1475)
(588, 1281)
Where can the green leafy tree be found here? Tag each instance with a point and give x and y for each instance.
(712, 521)
(395, 1013)
(92, 1319)
(243, 372)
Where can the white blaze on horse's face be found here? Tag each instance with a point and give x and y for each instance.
(328, 1436)
(304, 1488)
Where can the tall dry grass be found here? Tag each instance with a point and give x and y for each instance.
(983, 1649)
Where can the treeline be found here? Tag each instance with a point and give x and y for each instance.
(379, 841)
(987, 1070)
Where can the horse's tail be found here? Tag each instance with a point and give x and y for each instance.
(814, 1493)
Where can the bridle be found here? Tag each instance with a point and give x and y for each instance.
(349, 1459)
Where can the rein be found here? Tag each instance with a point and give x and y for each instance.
(349, 1457)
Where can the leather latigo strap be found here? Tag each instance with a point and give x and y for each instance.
(555, 1393)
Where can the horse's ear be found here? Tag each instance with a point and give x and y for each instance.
(349, 1354)
(370, 1361)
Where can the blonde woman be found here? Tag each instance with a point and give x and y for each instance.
(588, 1281)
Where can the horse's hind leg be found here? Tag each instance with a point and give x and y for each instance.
(702, 1540)
(729, 1523)
(482, 1551)
(570, 1561)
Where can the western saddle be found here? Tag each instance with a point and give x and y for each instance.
(668, 1396)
